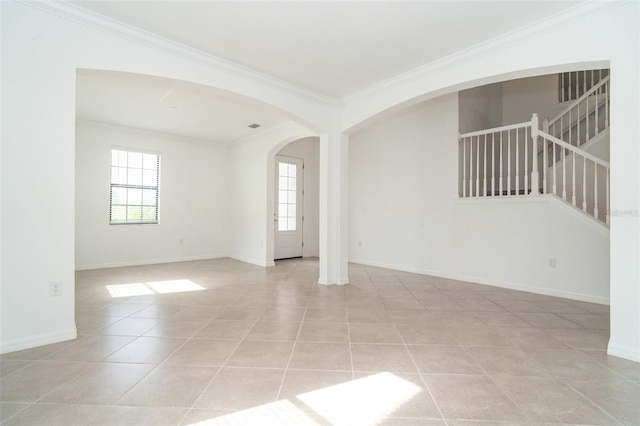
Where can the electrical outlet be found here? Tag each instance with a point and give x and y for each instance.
(551, 262)
(55, 288)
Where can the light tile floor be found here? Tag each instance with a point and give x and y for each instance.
(254, 346)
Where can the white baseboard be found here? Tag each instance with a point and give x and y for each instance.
(252, 261)
(484, 281)
(40, 340)
(147, 262)
(625, 352)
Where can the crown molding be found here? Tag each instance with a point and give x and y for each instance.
(533, 30)
(136, 35)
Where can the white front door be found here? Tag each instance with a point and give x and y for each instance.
(288, 214)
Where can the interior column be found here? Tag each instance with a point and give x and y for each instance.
(334, 183)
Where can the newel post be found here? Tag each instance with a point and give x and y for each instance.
(535, 178)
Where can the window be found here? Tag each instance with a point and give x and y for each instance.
(134, 187)
(287, 208)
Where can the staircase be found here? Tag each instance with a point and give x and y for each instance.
(563, 159)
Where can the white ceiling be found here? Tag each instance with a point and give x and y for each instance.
(169, 106)
(333, 48)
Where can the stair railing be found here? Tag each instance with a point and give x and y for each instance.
(496, 162)
(575, 176)
(501, 162)
(584, 119)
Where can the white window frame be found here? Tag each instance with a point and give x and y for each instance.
(144, 187)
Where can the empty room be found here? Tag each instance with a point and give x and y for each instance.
(403, 213)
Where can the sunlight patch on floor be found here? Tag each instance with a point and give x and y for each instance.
(152, 287)
(366, 401)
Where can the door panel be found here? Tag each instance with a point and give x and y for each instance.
(288, 214)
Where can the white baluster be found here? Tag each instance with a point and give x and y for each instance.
(535, 179)
(606, 189)
(478, 166)
(545, 166)
(464, 167)
(573, 166)
(493, 165)
(517, 162)
(606, 105)
(484, 182)
(509, 162)
(584, 184)
(595, 190)
(555, 189)
(578, 125)
(526, 160)
(570, 127)
(597, 125)
(564, 174)
(500, 164)
(586, 121)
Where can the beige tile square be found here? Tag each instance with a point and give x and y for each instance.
(203, 352)
(101, 383)
(443, 360)
(158, 310)
(199, 312)
(472, 398)
(287, 313)
(146, 350)
(274, 330)
(123, 309)
(321, 356)
(241, 313)
(266, 354)
(326, 315)
(546, 399)
(415, 333)
(509, 361)
(478, 336)
(380, 357)
(182, 329)
(241, 388)
(324, 332)
(547, 320)
(368, 316)
(32, 383)
(170, 386)
(130, 327)
(63, 414)
(92, 348)
(374, 333)
(531, 338)
(224, 329)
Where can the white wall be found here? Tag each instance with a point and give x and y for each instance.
(194, 211)
(309, 150)
(522, 97)
(405, 212)
(480, 108)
